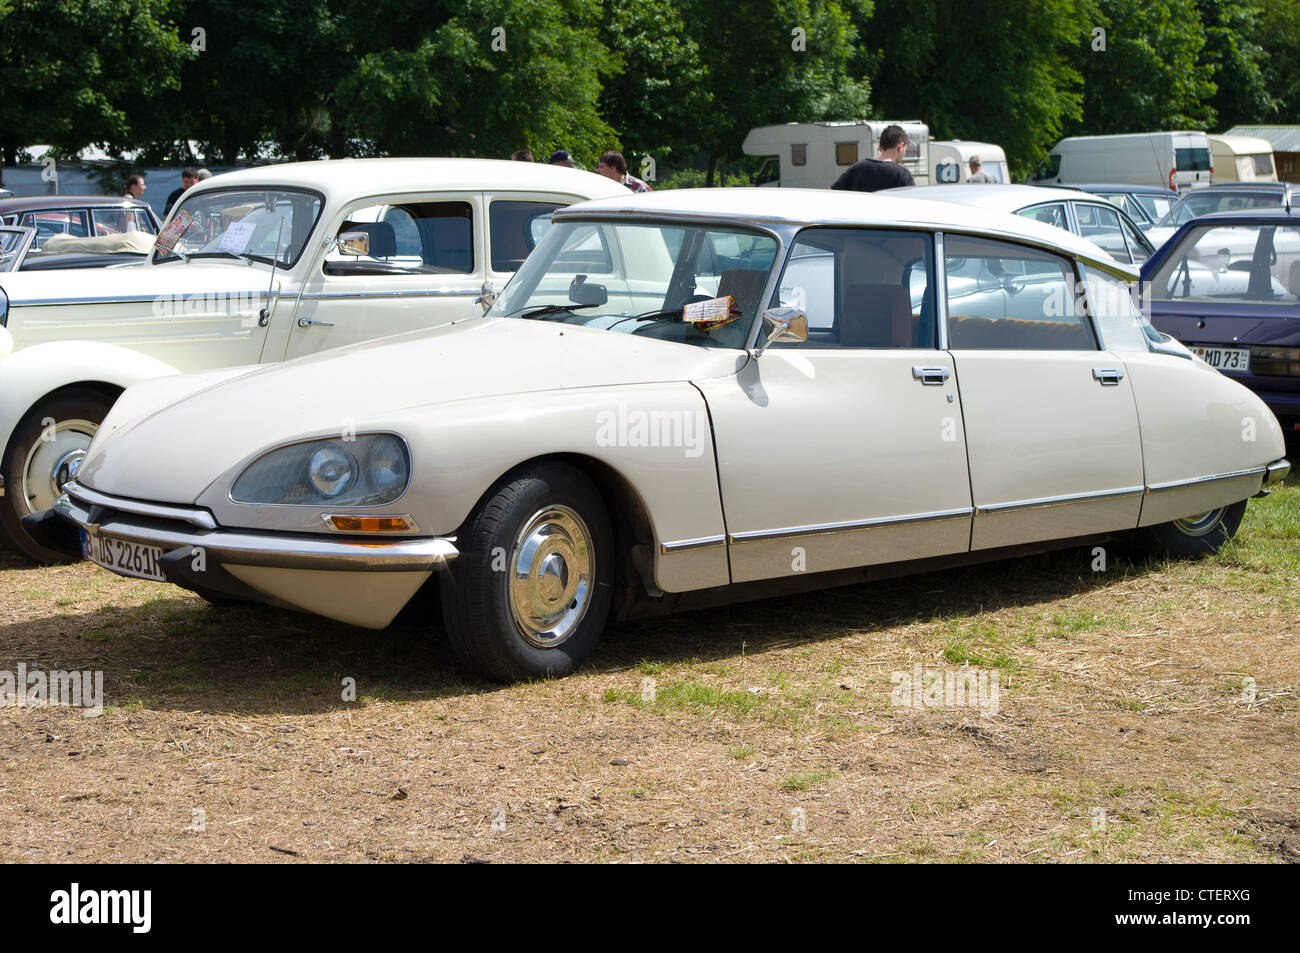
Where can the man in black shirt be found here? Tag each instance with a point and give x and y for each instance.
(189, 178)
(872, 175)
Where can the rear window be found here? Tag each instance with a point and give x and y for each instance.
(1192, 160)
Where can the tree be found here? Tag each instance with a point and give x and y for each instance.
(77, 72)
(1000, 73)
(1151, 75)
(1278, 36)
(1234, 60)
(482, 78)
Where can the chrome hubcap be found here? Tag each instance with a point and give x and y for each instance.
(551, 576)
(53, 460)
(1201, 524)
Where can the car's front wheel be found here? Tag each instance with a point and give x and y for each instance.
(1200, 534)
(37, 461)
(530, 591)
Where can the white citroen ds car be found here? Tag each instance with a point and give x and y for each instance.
(684, 398)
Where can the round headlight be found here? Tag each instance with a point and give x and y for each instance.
(331, 471)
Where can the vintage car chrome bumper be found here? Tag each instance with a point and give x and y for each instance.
(185, 529)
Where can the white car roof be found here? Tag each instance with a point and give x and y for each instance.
(834, 207)
(347, 179)
(997, 198)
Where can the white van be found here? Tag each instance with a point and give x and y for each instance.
(1242, 159)
(812, 155)
(1175, 160)
(950, 161)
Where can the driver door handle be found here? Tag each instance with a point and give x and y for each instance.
(1107, 376)
(930, 375)
(312, 323)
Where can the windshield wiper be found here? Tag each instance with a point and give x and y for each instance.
(548, 309)
(649, 316)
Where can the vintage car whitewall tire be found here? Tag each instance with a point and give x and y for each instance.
(1200, 534)
(35, 462)
(530, 592)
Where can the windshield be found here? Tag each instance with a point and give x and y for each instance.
(264, 224)
(1203, 203)
(1259, 263)
(692, 284)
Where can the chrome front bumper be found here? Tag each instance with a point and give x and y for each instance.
(1277, 471)
(188, 529)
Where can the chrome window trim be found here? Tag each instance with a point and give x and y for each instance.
(848, 526)
(1211, 478)
(689, 545)
(940, 293)
(186, 514)
(425, 293)
(144, 299)
(1063, 500)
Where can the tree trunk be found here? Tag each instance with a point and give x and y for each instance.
(713, 164)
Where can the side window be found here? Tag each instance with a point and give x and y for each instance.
(113, 221)
(1136, 243)
(419, 238)
(861, 288)
(1101, 225)
(1123, 328)
(514, 228)
(56, 222)
(143, 223)
(1047, 214)
(1008, 297)
(585, 252)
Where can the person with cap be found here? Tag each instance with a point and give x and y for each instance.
(561, 157)
(976, 171)
(189, 178)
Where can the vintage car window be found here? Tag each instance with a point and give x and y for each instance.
(11, 240)
(1137, 244)
(417, 238)
(115, 221)
(1003, 296)
(642, 277)
(1157, 206)
(1101, 225)
(861, 288)
(262, 224)
(514, 228)
(1259, 263)
(50, 222)
(1123, 327)
(1047, 214)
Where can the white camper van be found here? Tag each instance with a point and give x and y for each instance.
(1242, 159)
(812, 155)
(950, 161)
(1175, 160)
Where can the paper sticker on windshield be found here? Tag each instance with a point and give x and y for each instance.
(170, 235)
(714, 313)
(237, 237)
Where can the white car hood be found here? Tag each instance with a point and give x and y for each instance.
(174, 453)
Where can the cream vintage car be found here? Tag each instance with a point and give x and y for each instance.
(250, 269)
(680, 399)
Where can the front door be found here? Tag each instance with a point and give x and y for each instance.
(847, 449)
(425, 266)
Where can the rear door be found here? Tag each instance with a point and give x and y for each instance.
(1051, 426)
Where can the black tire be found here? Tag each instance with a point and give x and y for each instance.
(483, 595)
(1197, 535)
(80, 404)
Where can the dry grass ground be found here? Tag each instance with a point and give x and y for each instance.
(1123, 729)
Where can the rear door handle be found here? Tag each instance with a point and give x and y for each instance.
(1107, 376)
(930, 375)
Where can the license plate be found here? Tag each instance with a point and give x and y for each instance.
(123, 557)
(1225, 358)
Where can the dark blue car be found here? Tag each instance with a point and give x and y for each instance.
(1227, 285)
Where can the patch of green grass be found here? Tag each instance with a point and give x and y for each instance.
(741, 752)
(805, 780)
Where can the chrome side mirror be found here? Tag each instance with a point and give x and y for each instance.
(783, 324)
(354, 243)
(487, 294)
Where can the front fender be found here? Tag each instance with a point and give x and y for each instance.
(29, 374)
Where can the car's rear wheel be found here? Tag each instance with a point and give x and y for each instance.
(35, 465)
(530, 591)
(1199, 534)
